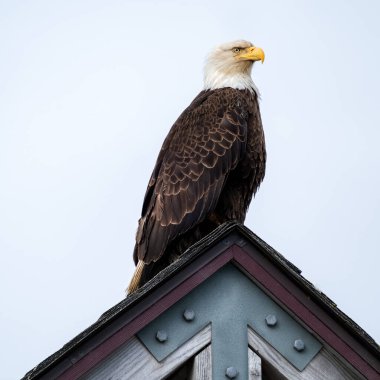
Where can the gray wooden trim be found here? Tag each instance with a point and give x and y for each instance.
(133, 361)
(254, 366)
(323, 366)
(202, 368)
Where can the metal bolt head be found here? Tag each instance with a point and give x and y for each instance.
(231, 372)
(271, 320)
(299, 345)
(189, 315)
(161, 336)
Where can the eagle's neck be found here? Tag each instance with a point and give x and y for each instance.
(214, 79)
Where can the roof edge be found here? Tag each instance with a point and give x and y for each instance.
(219, 234)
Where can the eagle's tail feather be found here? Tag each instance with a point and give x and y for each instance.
(136, 279)
(144, 272)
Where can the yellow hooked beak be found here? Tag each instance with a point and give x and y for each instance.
(252, 54)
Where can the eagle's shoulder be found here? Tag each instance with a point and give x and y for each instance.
(211, 105)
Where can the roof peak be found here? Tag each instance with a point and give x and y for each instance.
(230, 243)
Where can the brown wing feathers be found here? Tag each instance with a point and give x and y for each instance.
(203, 146)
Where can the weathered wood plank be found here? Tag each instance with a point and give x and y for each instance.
(323, 366)
(134, 361)
(254, 366)
(202, 366)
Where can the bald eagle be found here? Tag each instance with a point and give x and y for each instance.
(210, 164)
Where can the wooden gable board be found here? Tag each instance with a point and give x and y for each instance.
(263, 265)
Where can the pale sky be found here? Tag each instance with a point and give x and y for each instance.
(88, 91)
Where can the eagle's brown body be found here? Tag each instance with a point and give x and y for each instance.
(209, 167)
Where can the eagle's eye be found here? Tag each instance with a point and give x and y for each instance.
(236, 49)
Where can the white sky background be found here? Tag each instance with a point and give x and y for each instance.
(88, 91)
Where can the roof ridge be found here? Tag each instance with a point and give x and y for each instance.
(190, 255)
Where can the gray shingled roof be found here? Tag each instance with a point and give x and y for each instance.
(193, 252)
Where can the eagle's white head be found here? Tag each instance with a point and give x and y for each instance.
(230, 65)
